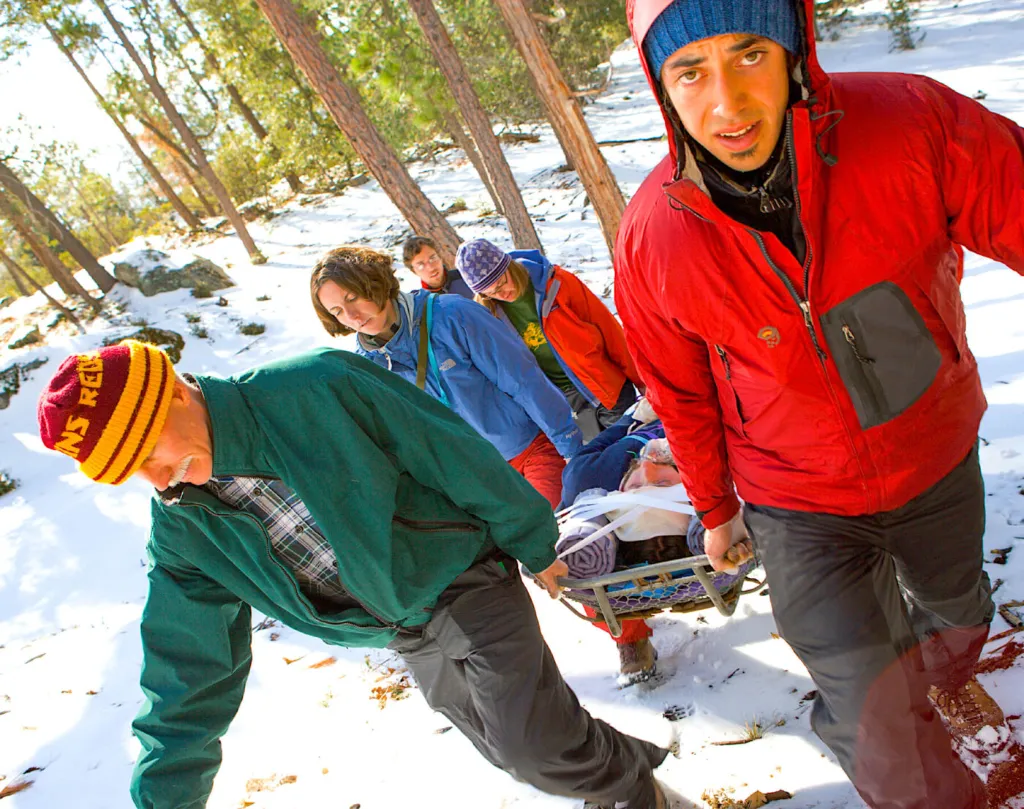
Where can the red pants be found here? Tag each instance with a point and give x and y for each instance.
(633, 629)
(542, 466)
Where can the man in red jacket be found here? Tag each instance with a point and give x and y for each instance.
(788, 281)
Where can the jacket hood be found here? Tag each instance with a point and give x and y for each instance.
(540, 271)
(409, 307)
(537, 267)
(641, 14)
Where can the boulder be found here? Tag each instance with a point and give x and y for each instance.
(153, 272)
(393, 236)
(24, 336)
(169, 341)
(256, 209)
(10, 383)
(12, 376)
(56, 317)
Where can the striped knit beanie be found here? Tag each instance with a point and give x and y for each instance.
(481, 263)
(107, 408)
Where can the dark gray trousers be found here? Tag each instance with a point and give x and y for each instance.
(482, 662)
(593, 420)
(879, 608)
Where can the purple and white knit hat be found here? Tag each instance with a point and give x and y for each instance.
(481, 263)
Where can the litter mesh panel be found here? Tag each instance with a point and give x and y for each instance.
(655, 593)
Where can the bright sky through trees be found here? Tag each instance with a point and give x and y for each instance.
(40, 85)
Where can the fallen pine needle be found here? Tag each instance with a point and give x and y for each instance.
(1006, 633)
(721, 800)
(14, 789)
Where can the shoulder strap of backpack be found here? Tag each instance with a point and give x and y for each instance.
(422, 361)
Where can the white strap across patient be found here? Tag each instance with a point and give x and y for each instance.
(635, 515)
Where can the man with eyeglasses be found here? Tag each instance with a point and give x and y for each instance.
(420, 255)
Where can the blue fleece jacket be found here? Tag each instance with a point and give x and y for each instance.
(602, 463)
(486, 373)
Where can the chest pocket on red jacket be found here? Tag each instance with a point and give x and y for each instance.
(883, 350)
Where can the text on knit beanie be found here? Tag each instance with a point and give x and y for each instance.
(686, 21)
(481, 263)
(107, 408)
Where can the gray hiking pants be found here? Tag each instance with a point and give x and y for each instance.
(594, 419)
(879, 608)
(482, 662)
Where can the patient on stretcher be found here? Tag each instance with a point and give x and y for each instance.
(625, 507)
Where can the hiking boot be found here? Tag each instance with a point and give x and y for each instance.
(967, 709)
(637, 662)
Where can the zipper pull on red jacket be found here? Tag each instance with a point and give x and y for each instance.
(770, 204)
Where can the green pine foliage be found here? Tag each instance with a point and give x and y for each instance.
(252, 329)
(308, 141)
(376, 45)
(830, 16)
(7, 483)
(903, 34)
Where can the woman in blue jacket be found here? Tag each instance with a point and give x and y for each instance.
(470, 361)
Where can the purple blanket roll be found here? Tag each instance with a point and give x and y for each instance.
(597, 558)
(695, 537)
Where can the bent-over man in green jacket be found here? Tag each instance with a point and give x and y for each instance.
(339, 499)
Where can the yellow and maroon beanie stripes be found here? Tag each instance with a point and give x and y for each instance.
(107, 408)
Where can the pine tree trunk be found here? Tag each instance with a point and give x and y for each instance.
(567, 119)
(171, 46)
(93, 218)
(188, 138)
(55, 229)
(496, 174)
(244, 109)
(190, 219)
(18, 282)
(44, 255)
(294, 183)
(303, 43)
(187, 214)
(465, 142)
(64, 278)
(20, 276)
(193, 183)
(163, 139)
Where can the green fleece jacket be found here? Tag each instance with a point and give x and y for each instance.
(407, 494)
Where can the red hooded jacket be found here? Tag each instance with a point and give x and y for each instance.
(846, 385)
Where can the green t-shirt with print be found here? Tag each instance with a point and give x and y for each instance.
(523, 314)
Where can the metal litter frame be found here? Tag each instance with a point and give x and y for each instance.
(639, 580)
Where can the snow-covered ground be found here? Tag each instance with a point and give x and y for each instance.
(309, 732)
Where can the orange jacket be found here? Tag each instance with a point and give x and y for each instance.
(584, 334)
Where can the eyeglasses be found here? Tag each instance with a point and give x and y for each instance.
(656, 453)
(420, 266)
(499, 287)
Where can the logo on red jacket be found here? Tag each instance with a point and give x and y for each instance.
(770, 335)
